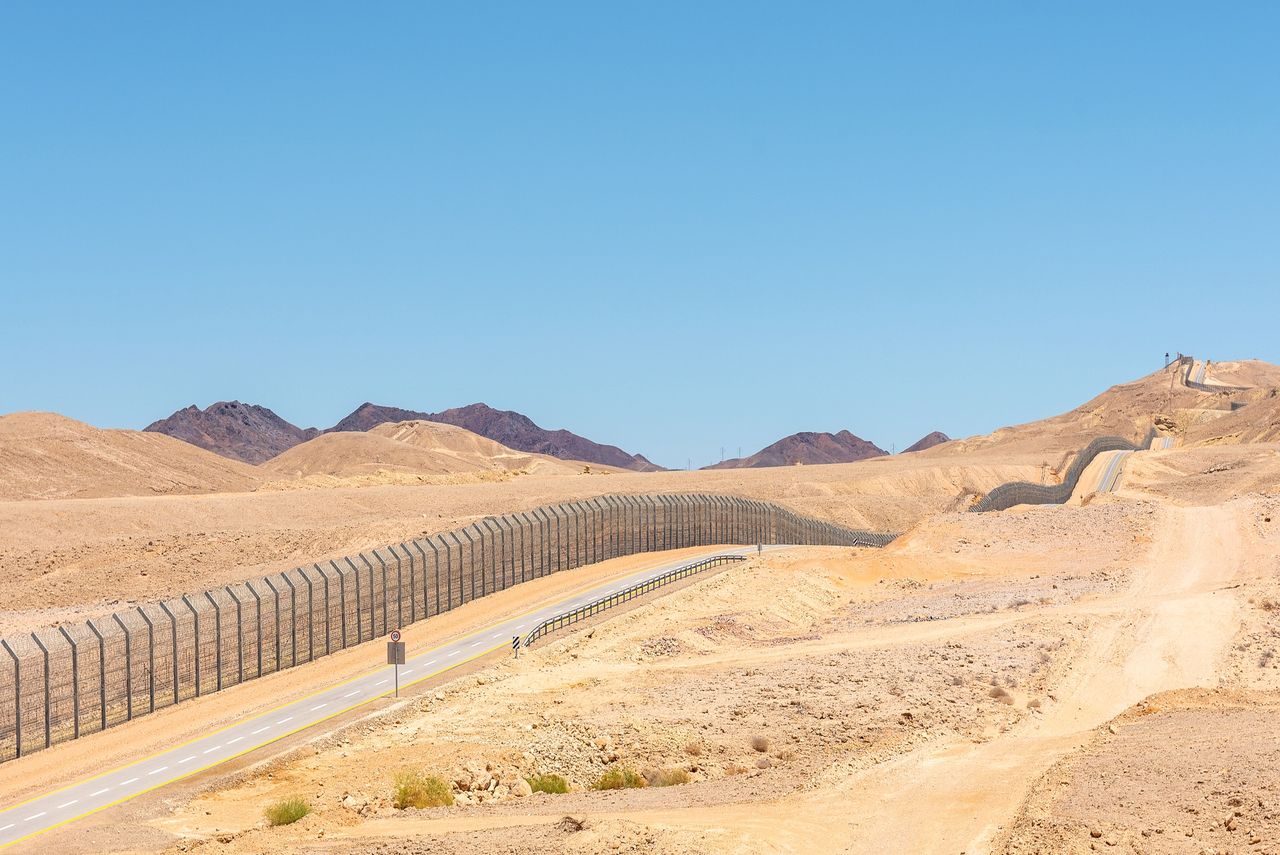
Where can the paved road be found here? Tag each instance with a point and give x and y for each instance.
(92, 795)
(1110, 479)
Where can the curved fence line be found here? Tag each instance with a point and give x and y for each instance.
(617, 598)
(1025, 493)
(82, 678)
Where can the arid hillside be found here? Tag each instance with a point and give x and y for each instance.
(1129, 409)
(408, 453)
(48, 456)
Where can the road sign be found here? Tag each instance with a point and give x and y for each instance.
(395, 635)
(395, 652)
(515, 645)
(395, 656)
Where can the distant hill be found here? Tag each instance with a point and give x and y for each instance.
(255, 434)
(48, 456)
(244, 432)
(399, 452)
(808, 449)
(928, 441)
(509, 428)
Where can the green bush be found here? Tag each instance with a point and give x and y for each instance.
(287, 811)
(620, 778)
(548, 784)
(416, 790)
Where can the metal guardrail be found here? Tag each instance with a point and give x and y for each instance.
(619, 597)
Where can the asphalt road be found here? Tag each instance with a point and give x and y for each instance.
(94, 794)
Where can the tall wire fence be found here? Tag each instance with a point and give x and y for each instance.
(62, 683)
(1026, 493)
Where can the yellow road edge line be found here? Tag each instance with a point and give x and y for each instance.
(261, 715)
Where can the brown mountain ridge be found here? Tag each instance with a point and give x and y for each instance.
(807, 448)
(254, 434)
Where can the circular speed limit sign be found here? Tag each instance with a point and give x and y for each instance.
(395, 635)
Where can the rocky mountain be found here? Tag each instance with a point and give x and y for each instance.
(509, 428)
(245, 432)
(928, 441)
(254, 434)
(807, 448)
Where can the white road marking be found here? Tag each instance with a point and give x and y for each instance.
(259, 730)
(66, 804)
(452, 654)
(7, 827)
(128, 782)
(317, 707)
(382, 682)
(186, 759)
(157, 771)
(211, 750)
(100, 792)
(286, 718)
(351, 694)
(35, 816)
(234, 741)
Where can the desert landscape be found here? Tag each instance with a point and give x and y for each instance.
(1098, 675)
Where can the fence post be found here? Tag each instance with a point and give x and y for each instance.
(426, 607)
(435, 572)
(151, 661)
(17, 699)
(257, 600)
(373, 605)
(217, 637)
(384, 589)
(128, 668)
(195, 623)
(275, 598)
(524, 524)
(75, 681)
(538, 514)
(359, 620)
(461, 581)
(48, 722)
(448, 566)
(342, 599)
(399, 583)
(494, 549)
(327, 634)
(293, 620)
(239, 635)
(102, 674)
(311, 614)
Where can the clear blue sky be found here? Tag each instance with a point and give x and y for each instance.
(668, 226)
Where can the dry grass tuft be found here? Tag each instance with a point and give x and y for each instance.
(666, 777)
(548, 784)
(418, 790)
(620, 778)
(287, 811)
(1001, 694)
(760, 743)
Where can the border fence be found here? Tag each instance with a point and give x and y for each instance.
(1025, 493)
(76, 679)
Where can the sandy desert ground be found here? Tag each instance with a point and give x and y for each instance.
(989, 682)
(1098, 676)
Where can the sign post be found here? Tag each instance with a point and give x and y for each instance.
(515, 645)
(395, 655)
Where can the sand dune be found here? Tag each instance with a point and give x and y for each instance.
(48, 456)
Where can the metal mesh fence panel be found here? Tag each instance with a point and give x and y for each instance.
(78, 679)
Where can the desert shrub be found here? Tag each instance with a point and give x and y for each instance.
(418, 790)
(735, 769)
(548, 784)
(1001, 694)
(287, 811)
(620, 778)
(760, 743)
(693, 749)
(666, 777)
